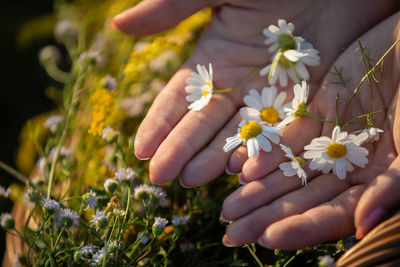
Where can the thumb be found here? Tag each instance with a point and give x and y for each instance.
(153, 16)
(382, 196)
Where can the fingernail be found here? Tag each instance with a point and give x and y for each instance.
(184, 185)
(227, 242)
(370, 221)
(241, 180)
(229, 171)
(262, 242)
(120, 15)
(113, 25)
(222, 218)
(141, 158)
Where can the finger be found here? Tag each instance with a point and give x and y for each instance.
(381, 196)
(328, 221)
(168, 108)
(259, 193)
(296, 136)
(247, 229)
(211, 161)
(149, 17)
(193, 131)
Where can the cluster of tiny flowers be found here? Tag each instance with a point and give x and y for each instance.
(159, 225)
(144, 191)
(143, 238)
(88, 250)
(109, 134)
(125, 174)
(98, 257)
(90, 199)
(67, 218)
(292, 55)
(5, 192)
(179, 220)
(99, 220)
(50, 205)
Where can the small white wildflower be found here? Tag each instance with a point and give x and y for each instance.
(284, 62)
(32, 197)
(125, 174)
(97, 257)
(200, 87)
(298, 106)
(294, 166)
(99, 220)
(143, 238)
(256, 135)
(64, 152)
(51, 205)
(68, 218)
(159, 225)
(111, 185)
(88, 250)
(5, 192)
(41, 167)
(90, 199)
(337, 153)
(326, 261)
(179, 220)
(92, 57)
(144, 191)
(281, 36)
(7, 221)
(52, 121)
(161, 195)
(109, 134)
(267, 106)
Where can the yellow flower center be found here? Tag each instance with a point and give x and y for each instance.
(250, 129)
(286, 41)
(205, 92)
(336, 150)
(269, 115)
(301, 108)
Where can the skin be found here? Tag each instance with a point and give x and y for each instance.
(182, 141)
(278, 212)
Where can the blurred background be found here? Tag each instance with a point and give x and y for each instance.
(23, 80)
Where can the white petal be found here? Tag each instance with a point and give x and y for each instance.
(268, 96)
(279, 100)
(232, 142)
(210, 71)
(264, 143)
(293, 55)
(335, 133)
(250, 114)
(288, 151)
(270, 129)
(283, 79)
(194, 81)
(264, 71)
(273, 137)
(251, 101)
(252, 148)
(340, 168)
(302, 71)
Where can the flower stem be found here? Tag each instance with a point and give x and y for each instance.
(318, 118)
(253, 253)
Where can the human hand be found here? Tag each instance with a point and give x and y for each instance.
(278, 212)
(182, 141)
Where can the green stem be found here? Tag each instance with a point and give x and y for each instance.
(254, 255)
(14, 172)
(142, 252)
(366, 76)
(287, 263)
(223, 90)
(317, 118)
(359, 117)
(57, 240)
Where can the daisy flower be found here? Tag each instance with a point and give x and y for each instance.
(200, 87)
(337, 153)
(88, 250)
(294, 166)
(267, 106)
(281, 36)
(90, 199)
(159, 225)
(111, 185)
(99, 220)
(298, 106)
(291, 63)
(256, 135)
(7, 221)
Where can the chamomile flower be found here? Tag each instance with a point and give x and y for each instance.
(298, 106)
(267, 106)
(200, 87)
(111, 185)
(337, 153)
(256, 135)
(294, 166)
(109, 134)
(281, 36)
(291, 63)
